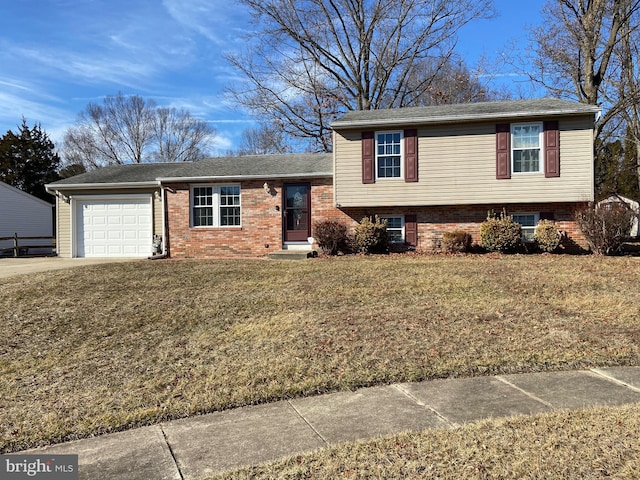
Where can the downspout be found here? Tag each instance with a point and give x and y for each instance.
(165, 241)
(164, 222)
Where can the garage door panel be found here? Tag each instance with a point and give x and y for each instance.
(114, 227)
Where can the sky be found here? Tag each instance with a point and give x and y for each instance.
(56, 56)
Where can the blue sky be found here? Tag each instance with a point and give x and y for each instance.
(58, 55)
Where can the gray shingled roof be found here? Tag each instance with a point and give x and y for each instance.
(465, 112)
(251, 166)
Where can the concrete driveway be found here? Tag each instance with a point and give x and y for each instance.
(18, 266)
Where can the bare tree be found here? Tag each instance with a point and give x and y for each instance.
(263, 140)
(178, 136)
(577, 52)
(587, 50)
(129, 129)
(118, 131)
(629, 91)
(315, 59)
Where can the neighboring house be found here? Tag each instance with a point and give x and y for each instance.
(426, 170)
(25, 215)
(631, 204)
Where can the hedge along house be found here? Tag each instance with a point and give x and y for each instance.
(428, 170)
(230, 206)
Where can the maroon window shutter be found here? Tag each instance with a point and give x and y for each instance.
(368, 158)
(411, 229)
(503, 151)
(548, 216)
(551, 149)
(411, 155)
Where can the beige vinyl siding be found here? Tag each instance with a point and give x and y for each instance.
(64, 213)
(457, 166)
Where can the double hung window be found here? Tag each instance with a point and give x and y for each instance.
(215, 205)
(528, 222)
(389, 154)
(526, 151)
(395, 229)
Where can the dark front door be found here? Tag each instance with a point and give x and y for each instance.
(297, 212)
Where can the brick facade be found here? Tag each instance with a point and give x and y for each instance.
(261, 230)
(434, 221)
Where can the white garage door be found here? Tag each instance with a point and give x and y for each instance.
(114, 228)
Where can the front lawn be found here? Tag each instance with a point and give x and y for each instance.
(104, 348)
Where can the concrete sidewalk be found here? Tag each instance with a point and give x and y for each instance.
(194, 447)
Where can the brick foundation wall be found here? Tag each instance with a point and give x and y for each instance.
(261, 230)
(434, 221)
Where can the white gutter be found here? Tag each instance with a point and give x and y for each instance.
(51, 188)
(99, 186)
(209, 178)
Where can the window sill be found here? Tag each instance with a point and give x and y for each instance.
(233, 227)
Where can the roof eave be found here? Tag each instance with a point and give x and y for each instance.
(52, 187)
(209, 178)
(447, 119)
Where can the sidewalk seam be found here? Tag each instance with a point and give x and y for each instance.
(173, 456)
(324, 440)
(530, 395)
(612, 379)
(417, 401)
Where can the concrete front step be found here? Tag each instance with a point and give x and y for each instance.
(293, 254)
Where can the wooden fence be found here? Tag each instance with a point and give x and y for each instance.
(22, 245)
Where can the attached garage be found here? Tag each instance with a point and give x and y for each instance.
(109, 226)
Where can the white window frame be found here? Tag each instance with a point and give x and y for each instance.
(527, 231)
(540, 147)
(377, 155)
(401, 229)
(216, 205)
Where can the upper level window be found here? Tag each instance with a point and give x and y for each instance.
(526, 151)
(389, 154)
(215, 205)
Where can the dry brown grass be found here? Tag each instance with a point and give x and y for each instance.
(98, 349)
(586, 444)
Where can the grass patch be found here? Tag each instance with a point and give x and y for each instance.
(585, 444)
(104, 348)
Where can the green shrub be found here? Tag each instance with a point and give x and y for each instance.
(331, 236)
(605, 228)
(371, 236)
(500, 233)
(547, 236)
(457, 241)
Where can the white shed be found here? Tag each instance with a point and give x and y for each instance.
(632, 204)
(24, 214)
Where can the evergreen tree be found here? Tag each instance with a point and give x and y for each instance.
(617, 169)
(628, 179)
(28, 160)
(607, 168)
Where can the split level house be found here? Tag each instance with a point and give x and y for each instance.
(426, 170)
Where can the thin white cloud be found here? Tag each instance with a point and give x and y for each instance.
(213, 19)
(54, 120)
